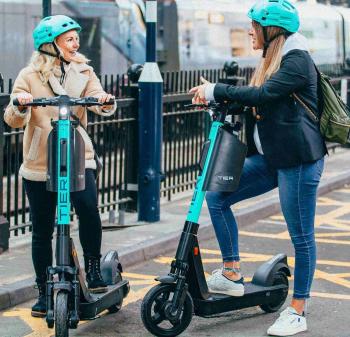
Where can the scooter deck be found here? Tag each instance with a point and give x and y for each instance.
(253, 295)
(97, 303)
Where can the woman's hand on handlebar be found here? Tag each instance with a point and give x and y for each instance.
(103, 98)
(199, 92)
(23, 99)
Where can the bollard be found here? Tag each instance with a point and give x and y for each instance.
(150, 125)
(121, 218)
(46, 8)
(111, 216)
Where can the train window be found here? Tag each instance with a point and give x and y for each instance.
(309, 34)
(241, 43)
(216, 18)
(201, 15)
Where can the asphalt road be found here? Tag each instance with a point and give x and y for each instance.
(328, 309)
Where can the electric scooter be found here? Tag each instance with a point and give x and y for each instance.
(167, 308)
(66, 173)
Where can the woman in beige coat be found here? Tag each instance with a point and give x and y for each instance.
(56, 68)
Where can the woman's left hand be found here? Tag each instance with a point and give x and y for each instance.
(199, 92)
(106, 98)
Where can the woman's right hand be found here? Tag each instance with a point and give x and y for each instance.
(23, 99)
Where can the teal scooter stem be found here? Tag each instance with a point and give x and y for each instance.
(199, 194)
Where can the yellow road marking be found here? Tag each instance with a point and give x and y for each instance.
(344, 190)
(324, 201)
(141, 282)
(134, 296)
(290, 260)
(325, 295)
(343, 275)
(332, 278)
(338, 242)
(321, 235)
(167, 260)
(139, 276)
(334, 263)
(283, 236)
(330, 219)
(330, 296)
(37, 325)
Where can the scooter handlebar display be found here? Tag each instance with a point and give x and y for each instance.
(64, 100)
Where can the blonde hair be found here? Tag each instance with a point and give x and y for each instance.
(271, 63)
(45, 64)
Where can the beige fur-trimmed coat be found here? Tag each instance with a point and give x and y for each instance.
(80, 81)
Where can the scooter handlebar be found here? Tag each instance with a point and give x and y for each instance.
(217, 111)
(64, 100)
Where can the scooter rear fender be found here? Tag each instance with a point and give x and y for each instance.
(264, 275)
(111, 268)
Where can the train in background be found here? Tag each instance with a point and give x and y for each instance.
(217, 31)
(113, 35)
(192, 34)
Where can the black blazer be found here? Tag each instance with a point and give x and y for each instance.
(288, 134)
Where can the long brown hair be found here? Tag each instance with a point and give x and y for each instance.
(271, 63)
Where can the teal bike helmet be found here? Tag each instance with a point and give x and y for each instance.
(278, 13)
(46, 32)
(52, 26)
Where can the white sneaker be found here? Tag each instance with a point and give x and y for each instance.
(289, 323)
(218, 283)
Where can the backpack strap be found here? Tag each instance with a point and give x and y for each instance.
(320, 100)
(320, 103)
(310, 112)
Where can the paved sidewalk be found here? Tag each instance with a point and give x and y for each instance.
(144, 241)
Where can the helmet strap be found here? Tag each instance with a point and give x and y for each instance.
(46, 53)
(61, 58)
(62, 61)
(267, 41)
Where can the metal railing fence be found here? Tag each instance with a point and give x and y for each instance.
(184, 132)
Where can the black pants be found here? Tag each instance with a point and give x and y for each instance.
(43, 210)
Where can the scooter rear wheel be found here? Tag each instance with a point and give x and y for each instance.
(153, 311)
(279, 278)
(61, 314)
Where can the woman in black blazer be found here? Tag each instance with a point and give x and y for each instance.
(288, 152)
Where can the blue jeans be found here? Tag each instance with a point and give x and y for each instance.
(297, 191)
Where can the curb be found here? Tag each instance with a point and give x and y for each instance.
(22, 291)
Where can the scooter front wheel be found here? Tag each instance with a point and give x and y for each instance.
(61, 314)
(154, 316)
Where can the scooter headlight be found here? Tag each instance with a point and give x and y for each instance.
(63, 111)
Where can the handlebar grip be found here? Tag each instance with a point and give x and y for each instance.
(15, 102)
(110, 102)
(36, 102)
(195, 106)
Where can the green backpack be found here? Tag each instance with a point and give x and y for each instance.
(335, 115)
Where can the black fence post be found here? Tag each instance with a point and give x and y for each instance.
(132, 162)
(4, 224)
